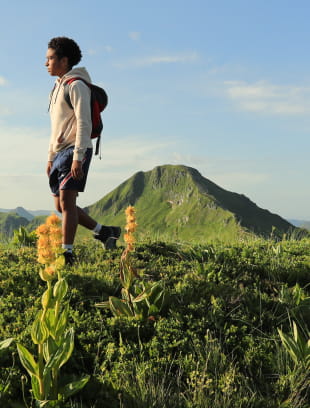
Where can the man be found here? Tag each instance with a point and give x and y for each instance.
(70, 148)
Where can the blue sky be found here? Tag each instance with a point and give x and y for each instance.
(221, 86)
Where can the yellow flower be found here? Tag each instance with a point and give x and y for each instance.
(42, 229)
(49, 242)
(129, 238)
(130, 210)
(130, 228)
(53, 220)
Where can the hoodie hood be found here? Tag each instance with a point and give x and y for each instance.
(80, 72)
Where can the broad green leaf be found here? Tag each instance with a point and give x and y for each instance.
(153, 310)
(119, 307)
(69, 389)
(46, 297)
(39, 330)
(47, 381)
(49, 348)
(62, 323)
(127, 276)
(35, 387)
(142, 296)
(27, 360)
(50, 321)
(63, 352)
(290, 346)
(6, 343)
(60, 289)
(105, 305)
(126, 295)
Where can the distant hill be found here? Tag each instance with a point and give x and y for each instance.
(11, 221)
(306, 225)
(28, 214)
(177, 201)
(300, 223)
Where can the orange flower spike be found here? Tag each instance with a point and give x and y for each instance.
(53, 220)
(42, 229)
(129, 239)
(43, 241)
(130, 210)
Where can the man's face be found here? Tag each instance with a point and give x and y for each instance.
(56, 66)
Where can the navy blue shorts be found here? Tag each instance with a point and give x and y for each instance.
(60, 176)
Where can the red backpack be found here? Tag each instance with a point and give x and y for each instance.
(98, 102)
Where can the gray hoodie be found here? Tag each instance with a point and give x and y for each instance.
(71, 127)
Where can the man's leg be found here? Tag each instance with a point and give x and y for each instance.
(83, 219)
(70, 218)
(72, 215)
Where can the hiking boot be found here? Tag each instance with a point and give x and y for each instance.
(69, 258)
(108, 236)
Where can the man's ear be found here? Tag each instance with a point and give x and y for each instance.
(65, 62)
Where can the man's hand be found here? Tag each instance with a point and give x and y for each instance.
(48, 168)
(76, 170)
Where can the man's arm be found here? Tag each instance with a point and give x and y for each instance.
(48, 168)
(76, 170)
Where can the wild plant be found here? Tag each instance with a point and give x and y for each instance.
(297, 346)
(21, 237)
(50, 331)
(297, 379)
(140, 299)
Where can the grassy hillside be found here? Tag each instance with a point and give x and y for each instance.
(177, 202)
(214, 343)
(9, 222)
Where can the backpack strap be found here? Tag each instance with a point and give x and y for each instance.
(66, 87)
(68, 100)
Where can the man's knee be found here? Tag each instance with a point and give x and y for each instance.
(58, 207)
(67, 200)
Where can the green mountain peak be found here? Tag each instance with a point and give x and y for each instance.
(176, 201)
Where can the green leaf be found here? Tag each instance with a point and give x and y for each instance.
(35, 387)
(6, 343)
(105, 305)
(39, 330)
(119, 307)
(290, 346)
(27, 360)
(127, 276)
(63, 352)
(72, 388)
(50, 322)
(49, 348)
(62, 323)
(47, 382)
(153, 310)
(60, 289)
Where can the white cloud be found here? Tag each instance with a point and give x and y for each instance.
(96, 51)
(4, 111)
(268, 98)
(134, 35)
(22, 169)
(160, 59)
(3, 81)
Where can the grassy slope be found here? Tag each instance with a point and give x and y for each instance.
(11, 221)
(177, 202)
(215, 344)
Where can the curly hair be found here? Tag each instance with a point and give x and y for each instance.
(66, 47)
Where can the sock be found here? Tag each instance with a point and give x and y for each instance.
(67, 247)
(97, 228)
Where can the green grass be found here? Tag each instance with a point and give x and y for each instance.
(215, 343)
